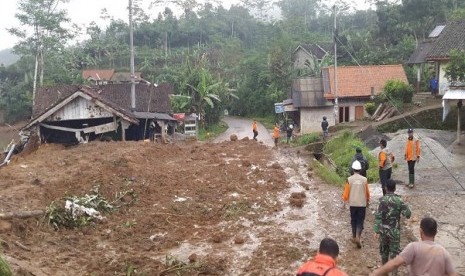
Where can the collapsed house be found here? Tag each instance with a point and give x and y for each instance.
(76, 113)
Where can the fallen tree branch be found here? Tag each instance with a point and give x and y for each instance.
(22, 246)
(22, 214)
(168, 214)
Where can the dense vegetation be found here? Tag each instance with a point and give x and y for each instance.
(213, 54)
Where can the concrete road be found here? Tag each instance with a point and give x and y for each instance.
(243, 128)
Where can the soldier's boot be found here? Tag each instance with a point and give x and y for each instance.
(384, 191)
(411, 180)
(384, 259)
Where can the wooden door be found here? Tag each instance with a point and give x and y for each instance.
(359, 112)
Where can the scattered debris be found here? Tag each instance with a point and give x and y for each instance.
(297, 199)
(82, 211)
(175, 266)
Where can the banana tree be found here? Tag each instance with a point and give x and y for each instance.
(204, 93)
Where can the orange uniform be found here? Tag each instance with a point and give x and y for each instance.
(320, 265)
(412, 149)
(383, 159)
(356, 184)
(276, 132)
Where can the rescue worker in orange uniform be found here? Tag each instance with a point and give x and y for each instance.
(385, 158)
(356, 192)
(255, 130)
(276, 134)
(412, 156)
(324, 263)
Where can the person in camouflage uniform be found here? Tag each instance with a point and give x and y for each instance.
(387, 222)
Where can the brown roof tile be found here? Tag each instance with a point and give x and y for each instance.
(119, 94)
(357, 81)
(119, 77)
(158, 96)
(98, 74)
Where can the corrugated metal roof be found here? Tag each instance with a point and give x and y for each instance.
(454, 94)
(154, 115)
(437, 31)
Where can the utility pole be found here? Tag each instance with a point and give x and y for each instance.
(131, 45)
(336, 106)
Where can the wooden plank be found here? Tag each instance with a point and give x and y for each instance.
(22, 214)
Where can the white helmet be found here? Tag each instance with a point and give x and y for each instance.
(356, 165)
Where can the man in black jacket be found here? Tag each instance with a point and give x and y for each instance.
(363, 161)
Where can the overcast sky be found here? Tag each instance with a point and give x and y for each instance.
(82, 12)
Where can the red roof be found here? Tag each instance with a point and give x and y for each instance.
(98, 74)
(357, 81)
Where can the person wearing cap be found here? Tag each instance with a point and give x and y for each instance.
(324, 127)
(412, 156)
(387, 222)
(324, 263)
(385, 158)
(357, 194)
(363, 161)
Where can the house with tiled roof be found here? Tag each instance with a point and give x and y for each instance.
(356, 85)
(125, 77)
(451, 38)
(437, 47)
(98, 77)
(307, 57)
(103, 77)
(75, 113)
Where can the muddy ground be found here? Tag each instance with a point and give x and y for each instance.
(200, 209)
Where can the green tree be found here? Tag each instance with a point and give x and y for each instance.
(45, 20)
(455, 70)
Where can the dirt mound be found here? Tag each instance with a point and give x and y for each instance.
(434, 148)
(188, 191)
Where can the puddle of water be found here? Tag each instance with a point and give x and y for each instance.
(185, 249)
(295, 221)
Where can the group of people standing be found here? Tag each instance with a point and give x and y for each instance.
(276, 132)
(423, 257)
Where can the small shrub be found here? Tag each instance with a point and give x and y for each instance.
(4, 268)
(306, 139)
(342, 149)
(398, 92)
(370, 108)
(327, 174)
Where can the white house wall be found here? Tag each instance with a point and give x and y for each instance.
(79, 108)
(352, 104)
(311, 118)
(443, 82)
(300, 58)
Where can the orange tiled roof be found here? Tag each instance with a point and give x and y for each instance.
(356, 81)
(98, 74)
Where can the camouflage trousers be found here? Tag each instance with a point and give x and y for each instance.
(389, 246)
